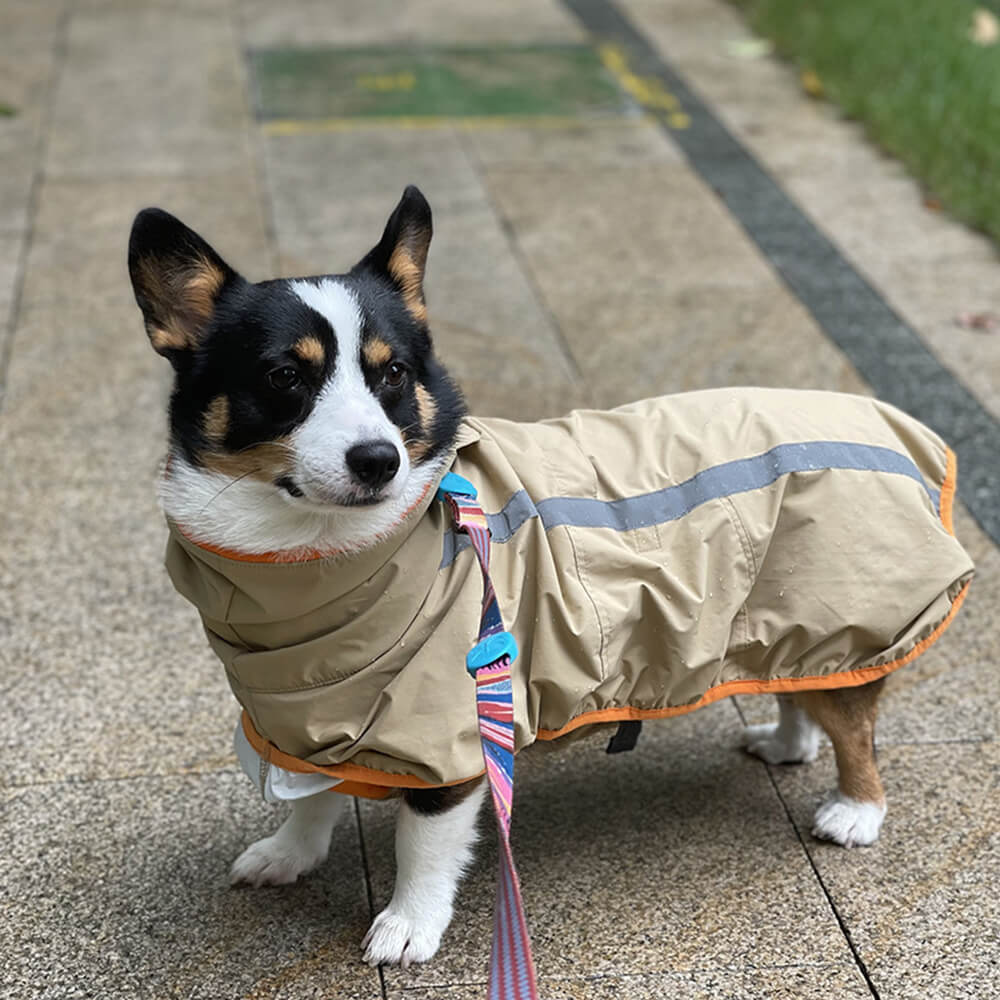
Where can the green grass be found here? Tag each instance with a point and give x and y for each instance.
(908, 71)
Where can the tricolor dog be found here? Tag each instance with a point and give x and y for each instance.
(648, 560)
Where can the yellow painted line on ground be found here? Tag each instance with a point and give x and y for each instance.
(647, 90)
(292, 126)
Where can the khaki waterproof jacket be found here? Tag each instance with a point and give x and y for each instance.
(649, 560)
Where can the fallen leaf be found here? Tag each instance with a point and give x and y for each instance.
(985, 28)
(985, 322)
(811, 83)
(749, 48)
(932, 202)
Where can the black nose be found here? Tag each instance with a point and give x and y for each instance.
(373, 463)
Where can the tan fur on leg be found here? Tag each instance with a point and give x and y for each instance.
(853, 816)
(848, 717)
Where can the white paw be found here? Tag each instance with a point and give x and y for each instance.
(275, 860)
(774, 747)
(395, 939)
(848, 822)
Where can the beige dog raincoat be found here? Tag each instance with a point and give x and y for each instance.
(649, 560)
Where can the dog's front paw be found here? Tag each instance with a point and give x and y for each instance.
(848, 822)
(774, 746)
(275, 860)
(398, 939)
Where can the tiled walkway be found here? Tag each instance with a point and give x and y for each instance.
(590, 260)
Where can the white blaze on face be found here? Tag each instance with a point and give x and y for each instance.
(346, 413)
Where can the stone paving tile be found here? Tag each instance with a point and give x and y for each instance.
(30, 21)
(104, 669)
(392, 22)
(929, 267)
(655, 288)
(489, 326)
(581, 145)
(120, 889)
(920, 905)
(152, 91)
(790, 983)
(676, 857)
(10, 266)
(950, 693)
(26, 68)
(82, 254)
(18, 153)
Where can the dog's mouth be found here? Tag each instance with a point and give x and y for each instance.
(361, 498)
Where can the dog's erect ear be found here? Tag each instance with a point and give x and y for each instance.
(177, 278)
(402, 251)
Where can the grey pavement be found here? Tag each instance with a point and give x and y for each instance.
(576, 261)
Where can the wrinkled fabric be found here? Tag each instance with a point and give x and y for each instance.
(647, 559)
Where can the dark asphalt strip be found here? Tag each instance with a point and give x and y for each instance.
(886, 351)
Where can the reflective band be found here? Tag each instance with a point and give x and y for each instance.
(673, 502)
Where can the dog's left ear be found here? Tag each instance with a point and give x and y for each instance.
(401, 254)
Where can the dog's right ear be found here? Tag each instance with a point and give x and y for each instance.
(177, 278)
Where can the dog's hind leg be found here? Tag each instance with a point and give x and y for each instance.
(299, 845)
(435, 834)
(853, 815)
(793, 739)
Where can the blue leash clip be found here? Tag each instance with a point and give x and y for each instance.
(489, 650)
(454, 483)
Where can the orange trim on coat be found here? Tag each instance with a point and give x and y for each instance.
(372, 783)
(777, 685)
(948, 487)
(350, 773)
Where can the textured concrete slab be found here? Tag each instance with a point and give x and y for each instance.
(31, 22)
(919, 905)
(481, 303)
(120, 888)
(676, 857)
(790, 983)
(151, 91)
(18, 152)
(10, 269)
(121, 679)
(654, 286)
(929, 267)
(76, 255)
(592, 142)
(27, 64)
(386, 22)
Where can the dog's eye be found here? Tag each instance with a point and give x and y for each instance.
(284, 378)
(395, 375)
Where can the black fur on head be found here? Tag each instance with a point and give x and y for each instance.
(250, 359)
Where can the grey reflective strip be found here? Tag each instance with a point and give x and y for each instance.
(673, 502)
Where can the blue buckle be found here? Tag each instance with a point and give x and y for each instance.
(454, 483)
(489, 650)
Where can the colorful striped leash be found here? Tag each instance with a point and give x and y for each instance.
(512, 972)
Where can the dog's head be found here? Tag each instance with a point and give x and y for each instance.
(322, 391)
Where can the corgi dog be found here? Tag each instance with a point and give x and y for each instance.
(310, 417)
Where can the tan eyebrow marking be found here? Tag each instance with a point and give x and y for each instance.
(376, 352)
(310, 349)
